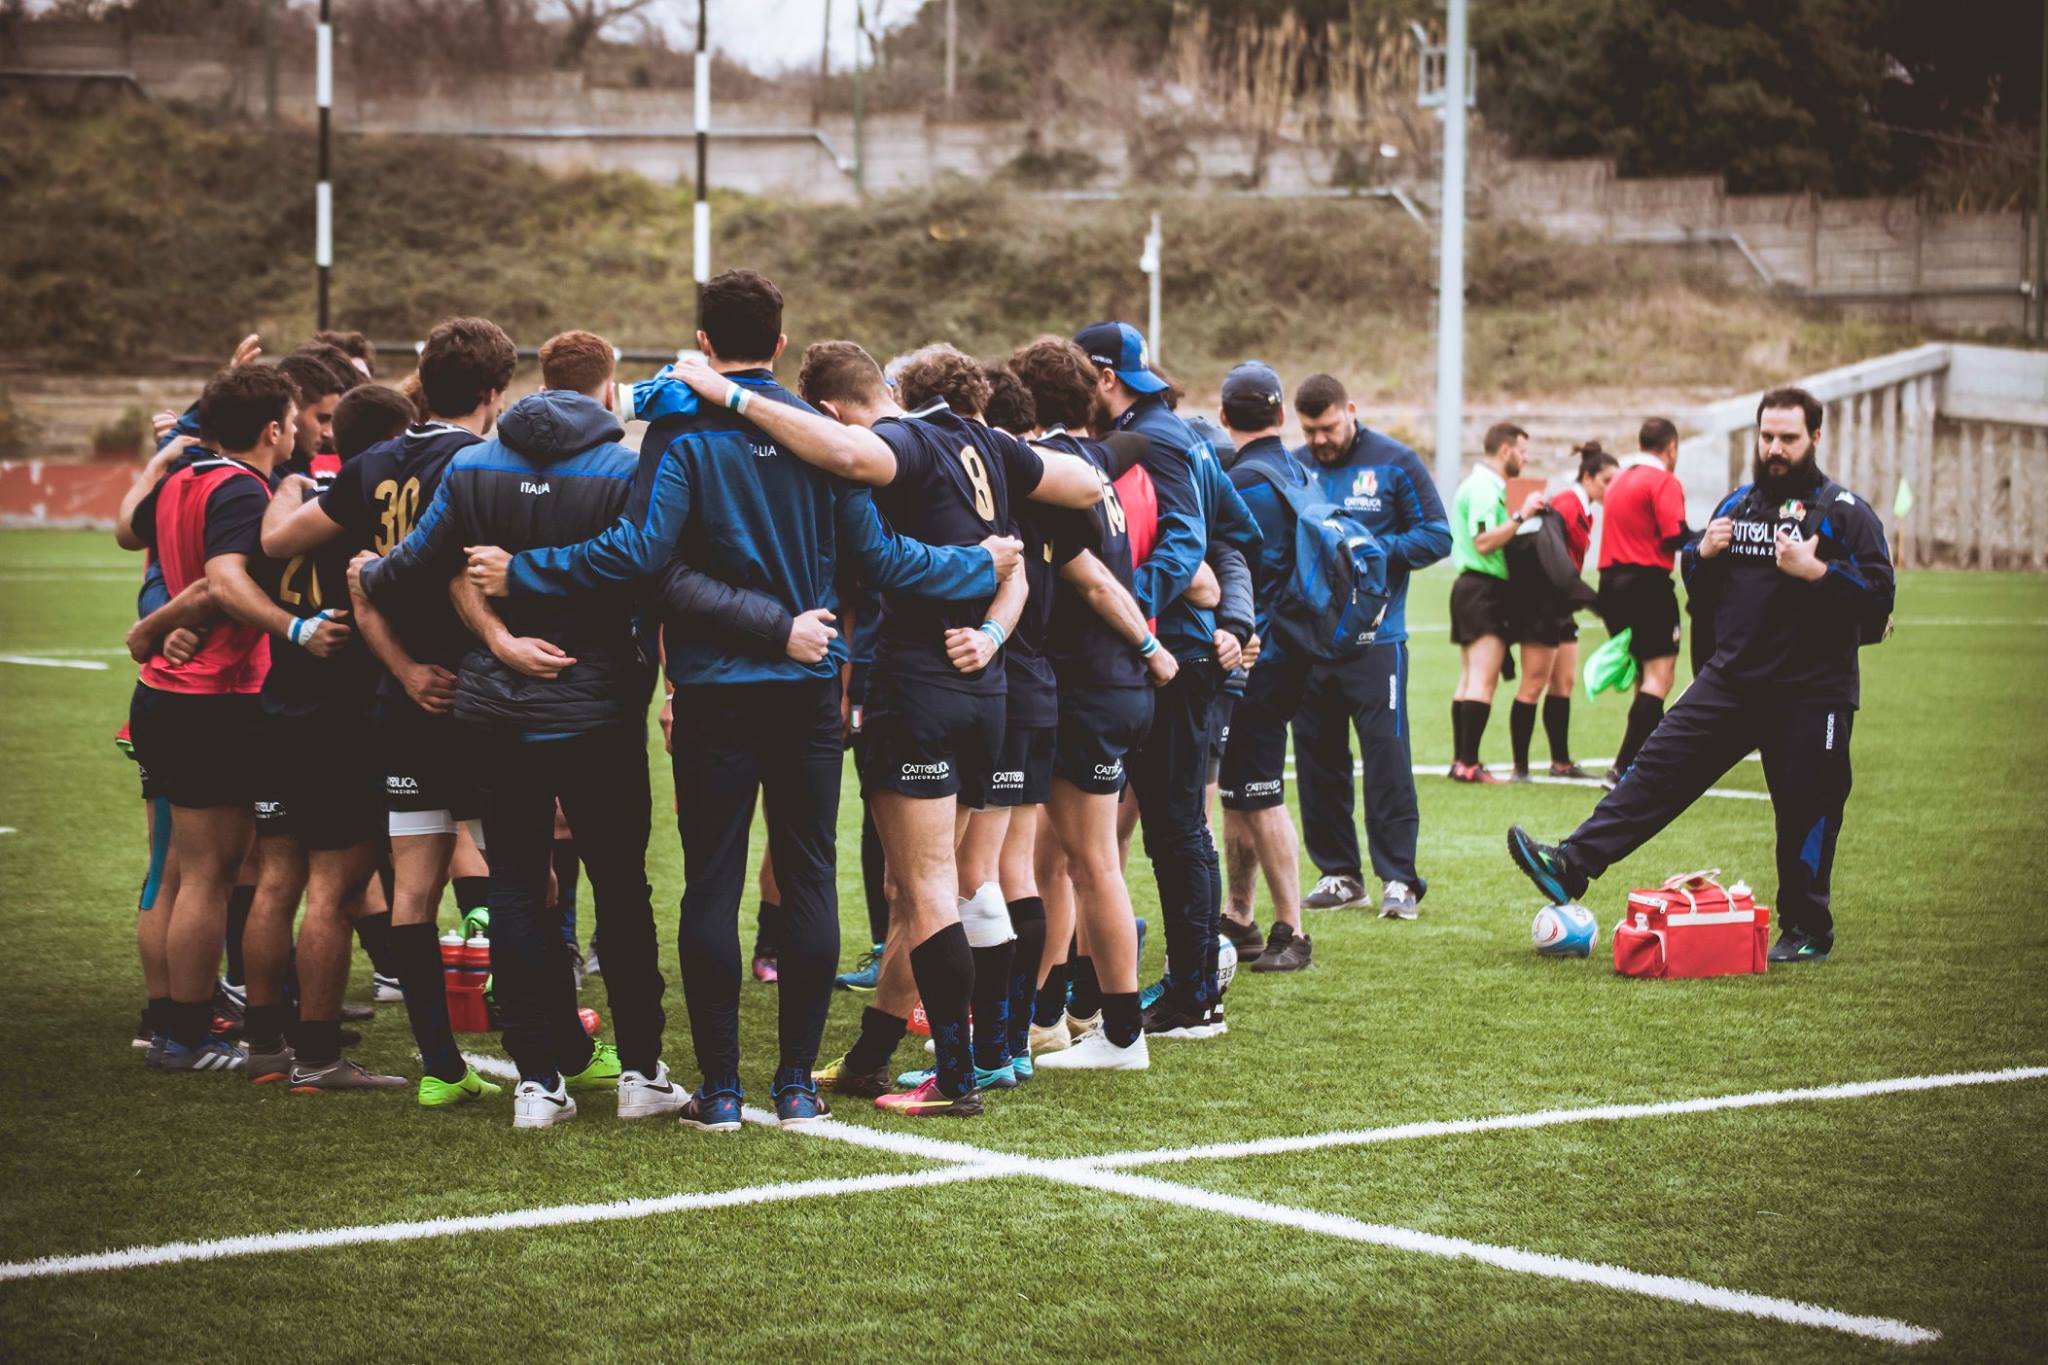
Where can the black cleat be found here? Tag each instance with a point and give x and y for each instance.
(1246, 938)
(1794, 946)
(834, 1078)
(1286, 951)
(1545, 865)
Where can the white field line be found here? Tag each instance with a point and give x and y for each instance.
(558, 1215)
(1549, 1118)
(1088, 1173)
(38, 661)
(967, 1162)
(1669, 1287)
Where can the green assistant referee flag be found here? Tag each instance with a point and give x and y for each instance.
(1903, 503)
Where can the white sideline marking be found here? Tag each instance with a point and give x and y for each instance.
(558, 1215)
(1669, 1287)
(38, 661)
(1547, 1118)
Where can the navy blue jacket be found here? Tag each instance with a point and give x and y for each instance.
(1255, 460)
(1387, 486)
(1197, 506)
(555, 475)
(715, 491)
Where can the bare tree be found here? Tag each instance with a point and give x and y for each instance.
(585, 20)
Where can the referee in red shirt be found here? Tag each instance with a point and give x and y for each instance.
(1643, 527)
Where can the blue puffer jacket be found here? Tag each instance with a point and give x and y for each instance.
(554, 475)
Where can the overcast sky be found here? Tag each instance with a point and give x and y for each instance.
(769, 35)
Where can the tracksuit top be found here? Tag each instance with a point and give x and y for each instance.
(711, 488)
(554, 475)
(1794, 640)
(1385, 485)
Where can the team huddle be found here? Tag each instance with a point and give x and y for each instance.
(392, 638)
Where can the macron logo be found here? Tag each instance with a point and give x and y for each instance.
(526, 487)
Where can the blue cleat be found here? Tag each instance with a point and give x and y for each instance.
(713, 1111)
(865, 976)
(1545, 865)
(995, 1078)
(797, 1105)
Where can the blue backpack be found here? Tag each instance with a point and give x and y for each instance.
(1331, 605)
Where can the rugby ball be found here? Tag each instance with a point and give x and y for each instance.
(1564, 931)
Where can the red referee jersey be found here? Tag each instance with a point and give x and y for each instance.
(1644, 508)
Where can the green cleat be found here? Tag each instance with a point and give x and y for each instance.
(436, 1093)
(602, 1073)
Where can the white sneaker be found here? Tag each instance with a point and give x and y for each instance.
(1049, 1038)
(1334, 893)
(1398, 901)
(385, 989)
(645, 1096)
(1094, 1052)
(1079, 1028)
(536, 1106)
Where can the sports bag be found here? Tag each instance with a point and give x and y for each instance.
(1539, 557)
(1332, 603)
(1692, 926)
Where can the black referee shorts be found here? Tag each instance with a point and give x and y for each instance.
(1640, 599)
(1481, 606)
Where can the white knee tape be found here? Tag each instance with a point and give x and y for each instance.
(476, 833)
(986, 918)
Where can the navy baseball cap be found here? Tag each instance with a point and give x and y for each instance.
(1253, 382)
(1121, 347)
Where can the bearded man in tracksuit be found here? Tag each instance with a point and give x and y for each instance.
(1792, 578)
(1385, 485)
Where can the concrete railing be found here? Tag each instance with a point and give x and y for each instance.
(1965, 428)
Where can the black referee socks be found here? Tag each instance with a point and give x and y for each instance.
(1472, 730)
(1557, 726)
(1643, 716)
(1521, 729)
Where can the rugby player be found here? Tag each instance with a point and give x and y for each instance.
(194, 723)
(1103, 654)
(1550, 630)
(720, 493)
(1792, 578)
(1482, 617)
(934, 731)
(1386, 486)
(1198, 508)
(428, 786)
(554, 706)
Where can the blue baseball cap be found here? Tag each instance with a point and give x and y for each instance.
(1121, 347)
(1253, 382)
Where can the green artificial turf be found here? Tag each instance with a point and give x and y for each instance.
(1926, 1207)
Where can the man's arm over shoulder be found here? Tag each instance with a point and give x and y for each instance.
(896, 563)
(634, 546)
(433, 552)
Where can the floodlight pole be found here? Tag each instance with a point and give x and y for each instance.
(700, 222)
(323, 190)
(1150, 264)
(1450, 300)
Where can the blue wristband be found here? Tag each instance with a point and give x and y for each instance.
(995, 632)
(1149, 648)
(736, 398)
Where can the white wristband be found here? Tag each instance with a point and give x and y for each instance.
(737, 399)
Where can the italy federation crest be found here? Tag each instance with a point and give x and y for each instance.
(1366, 484)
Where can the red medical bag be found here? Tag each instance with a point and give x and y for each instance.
(1692, 926)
